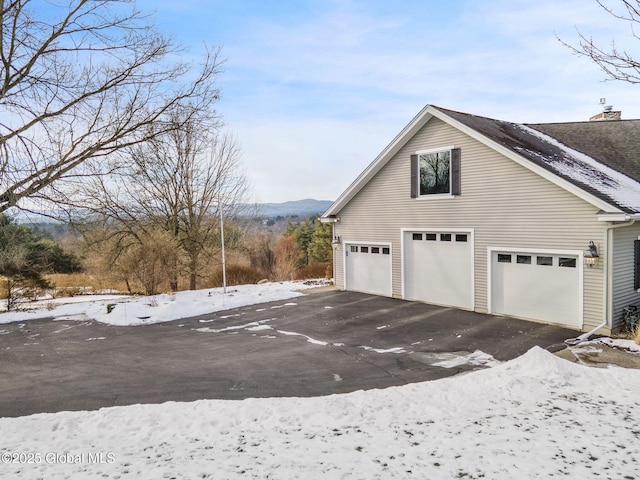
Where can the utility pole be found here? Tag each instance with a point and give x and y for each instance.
(224, 266)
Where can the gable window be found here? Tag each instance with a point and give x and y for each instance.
(435, 173)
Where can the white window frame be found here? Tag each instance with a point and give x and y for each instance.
(434, 195)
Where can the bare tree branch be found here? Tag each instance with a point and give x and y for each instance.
(85, 81)
(618, 64)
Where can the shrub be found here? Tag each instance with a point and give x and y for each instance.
(315, 270)
(237, 275)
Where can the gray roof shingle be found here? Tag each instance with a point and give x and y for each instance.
(615, 143)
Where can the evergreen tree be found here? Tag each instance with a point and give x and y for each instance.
(320, 249)
(26, 256)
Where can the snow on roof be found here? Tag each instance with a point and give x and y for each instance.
(583, 169)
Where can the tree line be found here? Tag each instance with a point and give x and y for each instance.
(153, 261)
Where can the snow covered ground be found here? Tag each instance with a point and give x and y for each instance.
(537, 416)
(158, 308)
(534, 417)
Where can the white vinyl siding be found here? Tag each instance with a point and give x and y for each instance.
(503, 202)
(622, 271)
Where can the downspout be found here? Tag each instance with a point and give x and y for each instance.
(607, 283)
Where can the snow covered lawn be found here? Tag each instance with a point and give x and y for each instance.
(534, 417)
(159, 308)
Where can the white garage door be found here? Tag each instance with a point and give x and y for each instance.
(368, 268)
(537, 286)
(438, 268)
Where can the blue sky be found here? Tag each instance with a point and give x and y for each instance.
(314, 90)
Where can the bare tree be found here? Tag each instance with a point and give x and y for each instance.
(84, 80)
(145, 257)
(179, 183)
(616, 63)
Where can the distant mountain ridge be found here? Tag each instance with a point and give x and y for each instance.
(301, 208)
(307, 206)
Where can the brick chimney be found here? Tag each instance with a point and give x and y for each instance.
(606, 115)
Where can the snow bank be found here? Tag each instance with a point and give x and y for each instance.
(163, 308)
(533, 417)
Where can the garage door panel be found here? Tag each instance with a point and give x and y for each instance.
(538, 291)
(437, 271)
(367, 271)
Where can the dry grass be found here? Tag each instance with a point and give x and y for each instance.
(76, 283)
(636, 335)
(315, 270)
(236, 275)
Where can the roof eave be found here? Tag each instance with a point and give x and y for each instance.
(618, 217)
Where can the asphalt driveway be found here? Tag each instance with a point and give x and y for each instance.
(319, 344)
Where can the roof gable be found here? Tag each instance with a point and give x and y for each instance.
(601, 182)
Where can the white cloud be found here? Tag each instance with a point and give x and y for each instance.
(317, 83)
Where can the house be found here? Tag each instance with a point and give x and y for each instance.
(536, 221)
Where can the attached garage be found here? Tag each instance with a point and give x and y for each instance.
(438, 267)
(368, 268)
(543, 286)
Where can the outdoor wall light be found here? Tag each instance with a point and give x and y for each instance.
(591, 256)
(336, 240)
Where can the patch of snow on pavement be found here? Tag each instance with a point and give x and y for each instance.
(456, 359)
(624, 344)
(534, 417)
(259, 327)
(246, 326)
(309, 339)
(383, 350)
